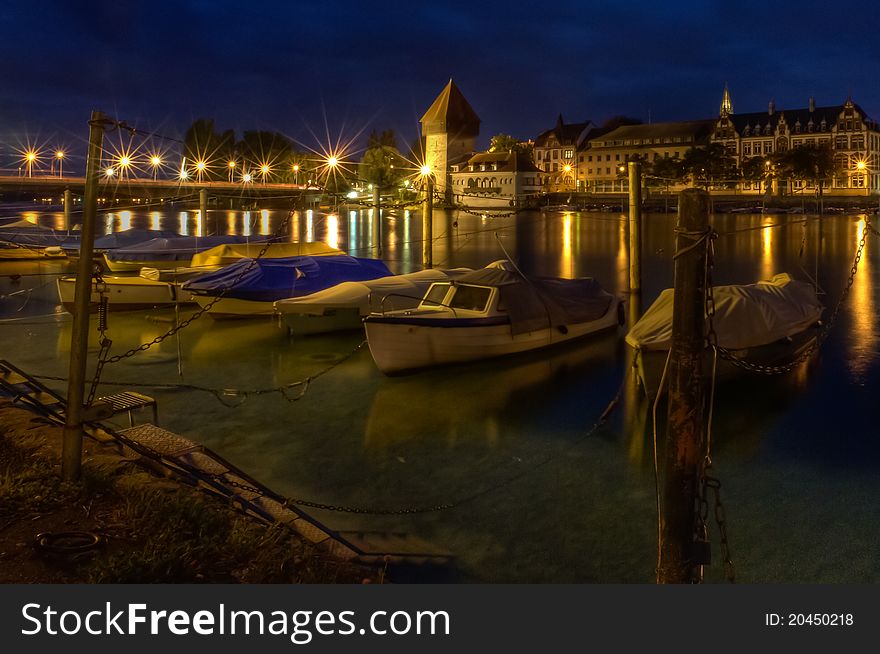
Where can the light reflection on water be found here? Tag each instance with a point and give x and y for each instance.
(795, 455)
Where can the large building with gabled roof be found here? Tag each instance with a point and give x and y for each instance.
(846, 128)
(450, 127)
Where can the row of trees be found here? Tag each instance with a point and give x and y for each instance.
(712, 164)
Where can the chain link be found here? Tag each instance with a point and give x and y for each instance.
(104, 360)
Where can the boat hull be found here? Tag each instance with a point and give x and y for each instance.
(127, 265)
(649, 364)
(401, 345)
(228, 308)
(126, 293)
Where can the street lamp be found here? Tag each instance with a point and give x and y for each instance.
(59, 154)
(155, 162)
(296, 173)
(264, 171)
(246, 178)
(30, 157)
(109, 171)
(200, 169)
(231, 166)
(124, 162)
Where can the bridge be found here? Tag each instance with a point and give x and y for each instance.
(110, 189)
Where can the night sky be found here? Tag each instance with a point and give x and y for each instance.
(305, 68)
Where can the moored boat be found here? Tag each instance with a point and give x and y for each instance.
(769, 323)
(125, 293)
(344, 306)
(250, 287)
(488, 313)
(166, 253)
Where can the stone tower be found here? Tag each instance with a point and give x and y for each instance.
(726, 104)
(450, 127)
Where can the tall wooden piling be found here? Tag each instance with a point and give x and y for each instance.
(428, 224)
(685, 426)
(377, 220)
(71, 449)
(635, 226)
(68, 208)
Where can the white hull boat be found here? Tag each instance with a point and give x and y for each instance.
(125, 293)
(489, 313)
(344, 306)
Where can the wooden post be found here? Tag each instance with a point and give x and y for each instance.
(428, 224)
(635, 226)
(377, 220)
(684, 438)
(203, 209)
(71, 449)
(67, 209)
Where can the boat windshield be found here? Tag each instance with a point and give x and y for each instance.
(436, 294)
(472, 298)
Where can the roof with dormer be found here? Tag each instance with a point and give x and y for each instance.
(508, 162)
(564, 133)
(451, 113)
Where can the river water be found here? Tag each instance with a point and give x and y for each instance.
(798, 457)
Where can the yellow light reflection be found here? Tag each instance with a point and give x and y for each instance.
(565, 261)
(264, 222)
(246, 223)
(310, 226)
(124, 220)
(184, 223)
(333, 231)
(230, 222)
(30, 216)
(864, 331)
(155, 220)
(767, 265)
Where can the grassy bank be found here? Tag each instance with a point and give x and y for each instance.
(150, 529)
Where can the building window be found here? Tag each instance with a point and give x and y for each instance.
(556, 154)
(589, 157)
(607, 157)
(567, 154)
(607, 171)
(841, 143)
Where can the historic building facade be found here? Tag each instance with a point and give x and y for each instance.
(495, 179)
(601, 161)
(847, 129)
(555, 153)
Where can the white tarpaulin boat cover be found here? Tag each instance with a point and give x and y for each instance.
(367, 296)
(746, 315)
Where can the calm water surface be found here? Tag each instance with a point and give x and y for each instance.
(798, 457)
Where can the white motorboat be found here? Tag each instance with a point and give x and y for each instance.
(344, 306)
(768, 323)
(125, 293)
(488, 313)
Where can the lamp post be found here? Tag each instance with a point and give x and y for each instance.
(201, 167)
(231, 166)
(30, 157)
(155, 162)
(296, 174)
(59, 155)
(264, 171)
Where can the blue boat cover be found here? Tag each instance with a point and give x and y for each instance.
(123, 239)
(267, 280)
(23, 232)
(177, 248)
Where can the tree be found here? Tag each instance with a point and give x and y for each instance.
(809, 163)
(668, 169)
(202, 143)
(382, 163)
(262, 148)
(507, 143)
(709, 163)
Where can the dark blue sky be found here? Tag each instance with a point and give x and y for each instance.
(286, 66)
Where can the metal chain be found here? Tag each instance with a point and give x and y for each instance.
(364, 510)
(206, 308)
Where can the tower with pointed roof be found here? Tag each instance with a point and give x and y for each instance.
(450, 127)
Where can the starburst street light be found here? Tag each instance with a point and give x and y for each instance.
(264, 171)
(123, 162)
(109, 171)
(246, 178)
(155, 162)
(59, 155)
(30, 157)
(231, 166)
